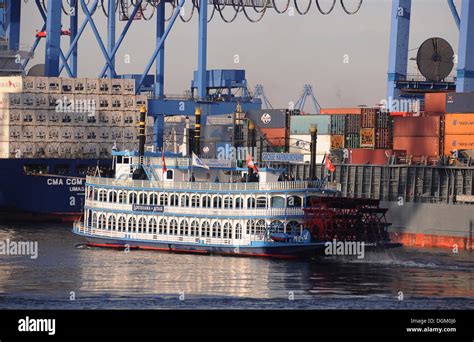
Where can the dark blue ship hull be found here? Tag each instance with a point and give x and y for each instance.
(44, 189)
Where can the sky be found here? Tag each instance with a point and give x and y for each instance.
(282, 52)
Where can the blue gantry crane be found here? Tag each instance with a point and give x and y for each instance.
(307, 93)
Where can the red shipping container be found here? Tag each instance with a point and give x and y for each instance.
(382, 138)
(435, 103)
(361, 156)
(417, 126)
(418, 146)
(369, 117)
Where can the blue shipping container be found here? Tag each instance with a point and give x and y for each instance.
(301, 124)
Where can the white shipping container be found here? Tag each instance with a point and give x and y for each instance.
(53, 117)
(129, 119)
(41, 133)
(105, 150)
(117, 133)
(54, 85)
(79, 133)
(91, 150)
(28, 133)
(128, 102)
(67, 85)
(141, 100)
(39, 150)
(65, 150)
(4, 116)
(27, 116)
(28, 100)
(42, 101)
(41, 84)
(105, 134)
(11, 84)
(58, 102)
(80, 86)
(15, 133)
(5, 132)
(301, 143)
(29, 84)
(92, 133)
(4, 149)
(116, 118)
(14, 150)
(117, 102)
(92, 86)
(104, 118)
(11, 100)
(53, 133)
(41, 117)
(66, 118)
(53, 149)
(129, 134)
(105, 102)
(77, 150)
(65, 134)
(14, 116)
(79, 118)
(129, 87)
(27, 149)
(105, 86)
(116, 86)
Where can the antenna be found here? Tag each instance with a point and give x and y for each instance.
(435, 59)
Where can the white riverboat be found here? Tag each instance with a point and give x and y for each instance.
(198, 206)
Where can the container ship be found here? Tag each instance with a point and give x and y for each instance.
(53, 132)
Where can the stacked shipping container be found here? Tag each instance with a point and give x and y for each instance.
(62, 117)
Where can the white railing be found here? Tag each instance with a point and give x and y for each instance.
(198, 211)
(206, 186)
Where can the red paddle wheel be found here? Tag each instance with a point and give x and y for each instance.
(346, 219)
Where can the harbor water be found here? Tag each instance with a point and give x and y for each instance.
(68, 275)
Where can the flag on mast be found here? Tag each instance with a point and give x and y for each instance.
(329, 165)
(163, 163)
(198, 162)
(251, 164)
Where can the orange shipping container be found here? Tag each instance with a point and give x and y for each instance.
(418, 146)
(458, 142)
(337, 141)
(335, 111)
(275, 136)
(367, 137)
(435, 103)
(459, 123)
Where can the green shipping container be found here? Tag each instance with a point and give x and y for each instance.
(301, 124)
(352, 140)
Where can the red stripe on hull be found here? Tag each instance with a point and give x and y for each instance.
(430, 241)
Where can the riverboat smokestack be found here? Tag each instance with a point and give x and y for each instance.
(251, 142)
(197, 131)
(314, 140)
(141, 132)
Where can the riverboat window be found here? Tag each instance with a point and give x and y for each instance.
(94, 220)
(249, 227)
(239, 203)
(141, 225)
(251, 203)
(293, 227)
(278, 202)
(121, 197)
(194, 201)
(96, 194)
(206, 201)
(142, 198)
(132, 225)
(226, 234)
(169, 174)
(153, 199)
(217, 202)
(102, 195)
(294, 201)
(101, 221)
(238, 231)
(277, 227)
(113, 196)
(261, 202)
(163, 199)
(126, 160)
(152, 226)
(121, 224)
(185, 201)
(173, 227)
(162, 226)
(184, 228)
(194, 228)
(259, 227)
(216, 230)
(206, 229)
(111, 223)
(174, 200)
(228, 202)
(132, 198)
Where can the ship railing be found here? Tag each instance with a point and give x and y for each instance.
(208, 186)
(197, 211)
